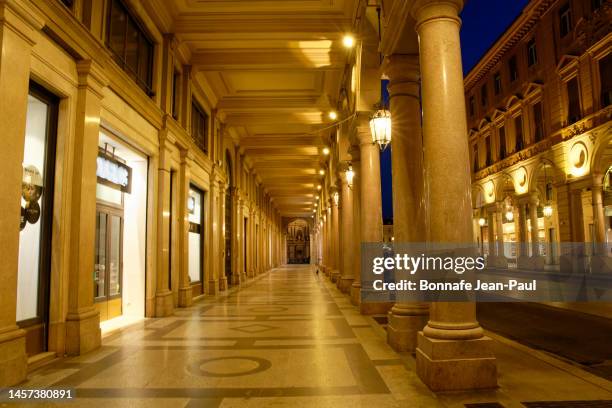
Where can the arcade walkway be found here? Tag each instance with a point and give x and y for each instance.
(287, 338)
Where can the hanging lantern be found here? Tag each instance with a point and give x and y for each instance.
(547, 210)
(509, 215)
(380, 126)
(350, 174)
(336, 198)
(481, 222)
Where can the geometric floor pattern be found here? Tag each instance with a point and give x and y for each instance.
(288, 338)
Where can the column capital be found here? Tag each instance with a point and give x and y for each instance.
(402, 67)
(425, 11)
(91, 75)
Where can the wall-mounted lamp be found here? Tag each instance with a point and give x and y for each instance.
(319, 187)
(336, 197)
(326, 151)
(332, 115)
(350, 174)
(380, 126)
(348, 41)
(321, 171)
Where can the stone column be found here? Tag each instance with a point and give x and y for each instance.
(17, 36)
(537, 261)
(599, 227)
(406, 319)
(500, 260)
(490, 232)
(212, 241)
(522, 236)
(83, 320)
(356, 237)
(334, 241)
(347, 273)
(452, 352)
(371, 200)
(221, 236)
(185, 292)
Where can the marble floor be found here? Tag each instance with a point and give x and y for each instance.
(288, 338)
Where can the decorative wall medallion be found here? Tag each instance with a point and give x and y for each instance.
(578, 158)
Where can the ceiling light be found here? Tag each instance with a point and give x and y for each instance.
(348, 41)
(332, 115)
(326, 151)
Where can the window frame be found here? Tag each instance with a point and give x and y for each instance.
(532, 58)
(146, 84)
(565, 10)
(197, 107)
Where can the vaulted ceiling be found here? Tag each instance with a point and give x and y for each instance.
(274, 67)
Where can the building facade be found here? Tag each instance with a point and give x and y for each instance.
(539, 118)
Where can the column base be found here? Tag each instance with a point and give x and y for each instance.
(372, 308)
(497, 261)
(222, 284)
(251, 273)
(83, 332)
(243, 277)
(213, 287)
(356, 294)
(185, 296)
(334, 275)
(13, 358)
(344, 284)
(235, 279)
(164, 304)
(402, 330)
(452, 365)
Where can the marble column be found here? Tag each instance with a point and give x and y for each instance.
(490, 232)
(522, 236)
(537, 261)
(599, 227)
(185, 292)
(500, 259)
(334, 238)
(213, 227)
(83, 319)
(346, 206)
(356, 237)
(371, 201)
(452, 352)
(406, 319)
(17, 36)
(221, 237)
(164, 301)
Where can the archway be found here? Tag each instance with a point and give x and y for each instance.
(298, 242)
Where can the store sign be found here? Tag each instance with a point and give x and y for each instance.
(115, 174)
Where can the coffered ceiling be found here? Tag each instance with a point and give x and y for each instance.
(274, 66)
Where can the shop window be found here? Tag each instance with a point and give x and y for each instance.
(176, 83)
(502, 142)
(565, 20)
(34, 266)
(538, 121)
(518, 131)
(513, 67)
(483, 95)
(199, 126)
(498, 83)
(130, 46)
(573, 101)
(532, 53)
(195, 207)
(605, 78)
(472, 106)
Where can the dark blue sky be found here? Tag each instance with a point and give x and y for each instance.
(483, 22)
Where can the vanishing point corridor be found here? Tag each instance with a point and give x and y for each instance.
(287, 338)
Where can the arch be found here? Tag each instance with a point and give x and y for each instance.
(545, 168)
(483, 124)
(478, 196)
(601, 158)
(298, 240)
(504, 186)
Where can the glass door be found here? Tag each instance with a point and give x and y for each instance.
(36, 215)
(108, 264)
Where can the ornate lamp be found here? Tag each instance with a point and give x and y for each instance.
(380, 126)
(350, 174)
